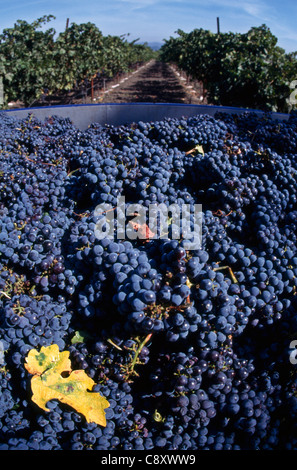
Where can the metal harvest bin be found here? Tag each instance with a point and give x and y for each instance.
(126, 113)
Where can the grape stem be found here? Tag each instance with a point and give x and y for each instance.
(4, 293)
(114, 344)
(230, 271)
(138, 351)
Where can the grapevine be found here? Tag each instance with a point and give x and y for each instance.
(246, 70)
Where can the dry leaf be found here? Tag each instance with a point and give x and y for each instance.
(75, 389)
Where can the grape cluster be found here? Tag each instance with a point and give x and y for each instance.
(191, 347)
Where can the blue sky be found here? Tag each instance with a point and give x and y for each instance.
(155, 20)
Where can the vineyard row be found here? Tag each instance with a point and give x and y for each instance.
(246, 70)
(34, 62)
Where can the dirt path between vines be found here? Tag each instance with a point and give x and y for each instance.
(153, 82)
(156, 82)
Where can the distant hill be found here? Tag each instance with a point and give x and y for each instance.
(155, 45)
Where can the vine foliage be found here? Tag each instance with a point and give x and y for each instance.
(247, 70)
(34, 60)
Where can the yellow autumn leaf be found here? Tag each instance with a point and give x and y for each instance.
(75, 389)
(48, 358)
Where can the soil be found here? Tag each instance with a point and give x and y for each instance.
(157, 82)
(154, 82)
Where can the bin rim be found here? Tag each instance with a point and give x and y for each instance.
(83, 115)
(192, 105)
